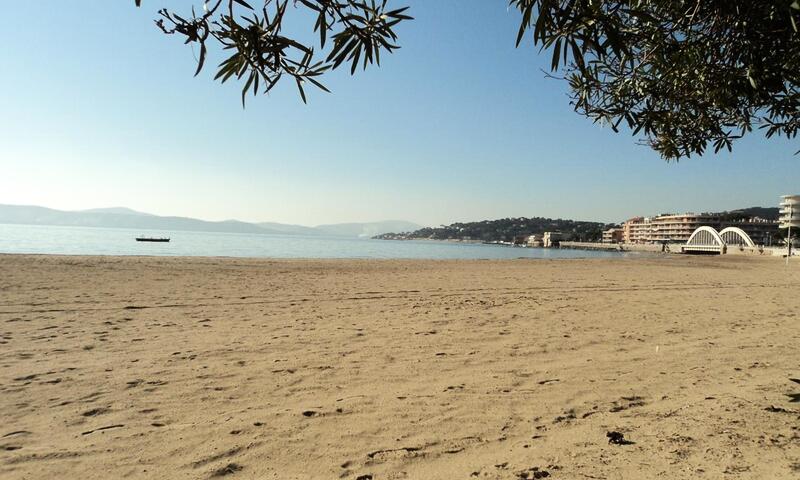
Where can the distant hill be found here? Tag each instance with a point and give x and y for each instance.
(505, 229)
(767, 213)
(119, 210)
(367, 229)
(289, 229)
(121, 217)
(32, 215)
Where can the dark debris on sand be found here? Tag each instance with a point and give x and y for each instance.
(228, 469)
(532, 473)
(617, 438)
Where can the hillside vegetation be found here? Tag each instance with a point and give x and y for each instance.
(505, 229)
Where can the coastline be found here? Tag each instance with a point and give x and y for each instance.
(87, 241)
(185, 367)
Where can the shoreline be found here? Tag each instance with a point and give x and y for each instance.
(114, 255)
(632, 256)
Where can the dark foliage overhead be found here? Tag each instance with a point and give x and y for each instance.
(682, 73)
(260, 54)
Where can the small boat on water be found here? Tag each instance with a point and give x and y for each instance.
(152, 239)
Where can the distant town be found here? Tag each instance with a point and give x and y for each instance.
(677, 228)
(753, 228)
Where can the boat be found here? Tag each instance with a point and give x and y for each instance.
(152, 239)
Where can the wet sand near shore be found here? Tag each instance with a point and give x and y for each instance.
(143, 367)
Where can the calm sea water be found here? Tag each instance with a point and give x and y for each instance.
(114, 241)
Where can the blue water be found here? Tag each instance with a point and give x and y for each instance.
(118, 241)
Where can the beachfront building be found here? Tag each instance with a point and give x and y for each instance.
(790, 218)
(636, 230)
(613, 235)
(790, 211)
(551, 239)
(677, 228)
(520, 240)
(536, 240)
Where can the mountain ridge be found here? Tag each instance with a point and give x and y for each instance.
(123, 217)
(117, 210)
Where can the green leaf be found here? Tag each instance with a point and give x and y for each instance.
(300, 88)
(243, 3)
(201, 60)
(556, 55)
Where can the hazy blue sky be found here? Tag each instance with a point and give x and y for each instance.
(99, 109)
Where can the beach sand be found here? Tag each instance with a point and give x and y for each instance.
(142, 367)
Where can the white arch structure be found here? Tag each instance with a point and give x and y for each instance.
(707, 239)
(736, 236)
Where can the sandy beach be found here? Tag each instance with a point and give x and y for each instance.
(143, 367)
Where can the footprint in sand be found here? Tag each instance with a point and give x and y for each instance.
(96, 411)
